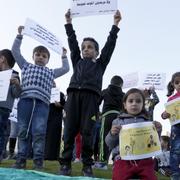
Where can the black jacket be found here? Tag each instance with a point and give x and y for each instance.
(112, 97)
(87, 75)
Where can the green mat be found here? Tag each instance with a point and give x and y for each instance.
(16, 174)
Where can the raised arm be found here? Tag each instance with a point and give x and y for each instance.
(72, 40)
(65, 65)
(16, 48)
(108, 48)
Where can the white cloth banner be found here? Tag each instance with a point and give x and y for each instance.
(41, 34)
(92, 7)
(5, 77)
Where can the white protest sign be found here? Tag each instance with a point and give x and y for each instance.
(130, 80)
(13, 114)
(92, 7)
(5, 77)
(158, 80)
(55, 95)
(41, 34)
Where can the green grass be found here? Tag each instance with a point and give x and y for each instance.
(53, 168)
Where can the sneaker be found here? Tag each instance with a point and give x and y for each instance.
(19, 164)
(11, 157)
(100, 165)
(77, 160)
(87, 171)
(65, 170)
(38, 164)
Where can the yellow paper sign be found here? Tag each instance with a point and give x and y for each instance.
(139, 141)
(173, 108)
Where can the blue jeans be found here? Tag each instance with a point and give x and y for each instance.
(4, 130)
(32, 122)
(175, 152)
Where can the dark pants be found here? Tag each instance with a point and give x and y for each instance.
(4, 128)
(80, 108)
(105, 128)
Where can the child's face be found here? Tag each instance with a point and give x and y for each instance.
(176, 84)
(134, 103)
(88, 50)
(40, 58)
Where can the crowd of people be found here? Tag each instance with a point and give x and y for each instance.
(89, 135)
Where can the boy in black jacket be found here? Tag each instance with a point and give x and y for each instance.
(84, 92)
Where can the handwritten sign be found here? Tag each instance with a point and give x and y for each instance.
(5, 77)
(158, 80)
(41, 34)
(139, 141)
(55, 95)
(92, 7)
(173, 108)
(130, 80)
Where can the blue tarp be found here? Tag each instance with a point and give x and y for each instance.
(16, 174)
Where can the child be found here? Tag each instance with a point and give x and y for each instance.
(112, 105)
(84, 92)
(162, 160)
(173, 85)
(33, 106)
(7, 62)
(133, 112)
(150, 102)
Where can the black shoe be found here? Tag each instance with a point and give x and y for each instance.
(38, 164)
(87, 171)
(65, 170)
(19, 164)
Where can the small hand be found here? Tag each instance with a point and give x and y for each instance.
(117, 17)
(20, 28)
(165, 115)
(68, 17)
(64, 52)
(115, 129)
(14, 81)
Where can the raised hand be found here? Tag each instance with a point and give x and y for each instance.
(117, 18)
(20, 28)
(68, 17)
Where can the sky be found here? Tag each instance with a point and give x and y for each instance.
(148, 40)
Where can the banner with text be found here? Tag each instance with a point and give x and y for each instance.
(92, 7)
(42, 35)
(139, 141)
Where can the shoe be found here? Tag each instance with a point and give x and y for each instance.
(87, 171)
(100, 165)
(77, 160)
(38, 164)
(11, 157)
(19, 164)
(65, 170)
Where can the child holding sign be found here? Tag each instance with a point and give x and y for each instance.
(6, 63)
(84, 92)
(33, 106)
(174, 85)
(133, 112)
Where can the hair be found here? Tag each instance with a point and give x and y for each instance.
(170, 86)
(96, 45)
(9, 57)
(41, 49)
(167, 140)
(132, 91)
(116, 81)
